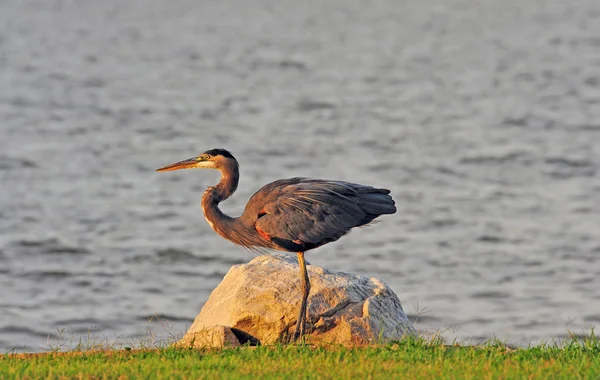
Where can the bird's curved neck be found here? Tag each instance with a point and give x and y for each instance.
(215, 194)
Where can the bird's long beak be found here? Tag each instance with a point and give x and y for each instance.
(185, 164)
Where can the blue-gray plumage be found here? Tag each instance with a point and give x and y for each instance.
(294, 215)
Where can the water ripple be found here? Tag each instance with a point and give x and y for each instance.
(48, 247)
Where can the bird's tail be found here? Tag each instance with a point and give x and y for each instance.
(377, 203)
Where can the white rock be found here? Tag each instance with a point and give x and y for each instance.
(262, 299)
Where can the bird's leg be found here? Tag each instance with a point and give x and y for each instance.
(300, 324)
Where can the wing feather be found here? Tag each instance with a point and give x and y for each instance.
(314, 212)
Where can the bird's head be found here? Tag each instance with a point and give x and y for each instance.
(211, 159)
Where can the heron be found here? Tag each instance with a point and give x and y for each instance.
(292, 215)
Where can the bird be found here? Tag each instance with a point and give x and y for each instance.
(292, 215)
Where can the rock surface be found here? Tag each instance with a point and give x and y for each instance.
(260, 301)
(212, 336)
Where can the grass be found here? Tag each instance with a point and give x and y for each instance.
(410, 358)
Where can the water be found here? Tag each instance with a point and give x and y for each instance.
(482, 117)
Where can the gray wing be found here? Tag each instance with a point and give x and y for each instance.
(301, 214)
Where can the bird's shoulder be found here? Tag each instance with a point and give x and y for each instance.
(298, 194)
(273, 191)
(299, 186)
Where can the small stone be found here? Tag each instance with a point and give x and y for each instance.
(209, 337)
